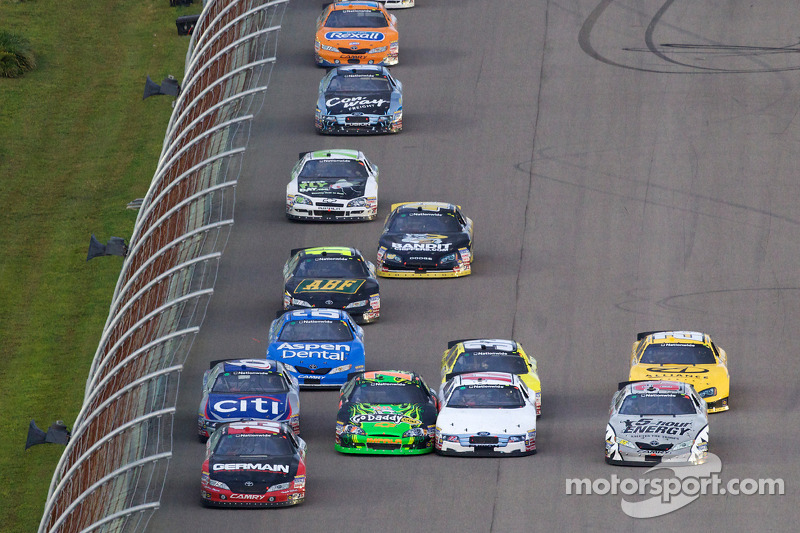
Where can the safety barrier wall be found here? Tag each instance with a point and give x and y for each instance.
(113, 470)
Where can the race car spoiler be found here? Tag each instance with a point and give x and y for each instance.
(453, 343)
(214, 363)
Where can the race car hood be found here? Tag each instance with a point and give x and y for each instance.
(262, 471)
(321, 354)
(494, 421)
(700, 376)
(387, 419)
(368, 103)
(232, 406)
(338, 291)
(657, 430)
(342, 189)
(431, 246)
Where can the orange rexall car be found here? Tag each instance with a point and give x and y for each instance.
(356, 33)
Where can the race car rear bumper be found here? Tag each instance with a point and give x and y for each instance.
(210, 498)
(718, 406)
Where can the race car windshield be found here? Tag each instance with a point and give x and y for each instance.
(250, 444)
(424, 222)
(246, 382)
(380, 393)
(344, 188)
(486, 397)
(359, 84)
(657, 404)
(331, 267)
(490, 363)
(334, 168)
(352, 18)
(316, 330)
(678, 354)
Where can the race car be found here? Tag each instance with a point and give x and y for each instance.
(253, 464)
(334, 277)
(320, 347)
(356, 32)
(391, 4)
(425, 240)
(359, 100)
(389, 412)
(247, 389)
(688, 356)
(486, 414)
(333, 185)
(491, 355)
(653, 422)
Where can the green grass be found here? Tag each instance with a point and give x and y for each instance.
(77, 143)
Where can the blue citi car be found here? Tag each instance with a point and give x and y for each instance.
(320, 347)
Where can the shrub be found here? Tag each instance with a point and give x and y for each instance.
(16, 55)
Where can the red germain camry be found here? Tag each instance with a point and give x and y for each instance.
(254, 464)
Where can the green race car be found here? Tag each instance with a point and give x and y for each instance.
(386, 412)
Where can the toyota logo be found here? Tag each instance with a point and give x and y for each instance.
(313, 367)
(248, 483)
(328, 302)
(653, 443)
(354, 46)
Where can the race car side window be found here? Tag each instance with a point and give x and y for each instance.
(639, 351)
(447, 390)
(618, 401)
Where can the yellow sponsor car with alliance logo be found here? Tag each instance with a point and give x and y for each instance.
(491, 355)
(687, 356)
(356, 33)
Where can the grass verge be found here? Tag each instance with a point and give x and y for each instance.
(77, 143)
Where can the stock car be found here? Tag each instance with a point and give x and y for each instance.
(491, 355)
(356, 32)
(248, 389)
(334, 277)
(333, 185)
(425, 240)
(359, 100)
(486, 414)
(392, 4)
(688, 356)
(253, 464)
(653, 422)
(389, 412)
(320, 347)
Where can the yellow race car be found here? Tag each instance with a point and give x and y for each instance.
(688, 356)
(491, 355)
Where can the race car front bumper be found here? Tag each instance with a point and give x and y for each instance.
(358, 124)
(383, 444)
(215, 497)
(486, 445)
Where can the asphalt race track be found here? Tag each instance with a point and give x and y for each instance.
(629, 165)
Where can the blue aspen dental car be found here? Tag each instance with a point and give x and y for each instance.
(320, 347)
(248, 389)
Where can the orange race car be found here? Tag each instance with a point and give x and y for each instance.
(356, 33)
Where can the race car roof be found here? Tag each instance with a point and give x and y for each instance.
(249, 365)
(424, 206)
(327, 250)
(487, 378)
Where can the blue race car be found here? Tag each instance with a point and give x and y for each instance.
(359, 99)
(248, 389)
(320, 347)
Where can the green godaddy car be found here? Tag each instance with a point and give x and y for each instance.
(386, 412)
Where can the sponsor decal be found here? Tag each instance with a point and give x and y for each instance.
(349, 35)
(382, 440)
(650, 426)
(260, 405)
(427, 247)
(678, 370)
(343, 286)
(395, 418)
(261, 467)
(235, 496)
(331, 352)
(356, 103)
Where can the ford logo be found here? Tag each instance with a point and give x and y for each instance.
(483, 433)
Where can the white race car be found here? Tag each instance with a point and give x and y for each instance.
(333, 185)
(486, 414)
